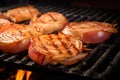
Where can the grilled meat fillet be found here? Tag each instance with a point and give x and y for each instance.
(54, 49)
(49, 22)
(90, 31)
(2, 16)
(3, 19)
(14, 38)
(23, 13)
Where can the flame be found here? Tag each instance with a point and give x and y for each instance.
(28, 75)
(23, 73)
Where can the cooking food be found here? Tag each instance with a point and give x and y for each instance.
(54, 49)
(2, 15)
(4, 21)
(49, 22)
(39, 38)
(90, 31)
(22, 13)
(14, 38)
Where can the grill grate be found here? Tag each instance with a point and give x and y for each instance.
(102, 59)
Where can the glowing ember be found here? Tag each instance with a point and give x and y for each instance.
(23, 73)
(2, 69)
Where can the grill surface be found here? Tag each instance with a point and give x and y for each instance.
(103, 58)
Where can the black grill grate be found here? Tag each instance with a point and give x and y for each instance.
(102, 59)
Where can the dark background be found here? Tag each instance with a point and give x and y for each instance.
(103, 4)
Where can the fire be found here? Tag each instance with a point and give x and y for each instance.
(23, 73)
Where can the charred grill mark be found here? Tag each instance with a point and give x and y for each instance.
(61, 47)
(24, 26)
(72, 41)
(52, 40)
(42, 45)
(41, 21)
(21, 33)
(52, 17)
(73, 50)
(37, 29)
(56, 42)
(65, 43)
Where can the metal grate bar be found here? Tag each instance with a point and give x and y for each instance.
(30, 63)
(103, 16)
(95, 16)
(116, 19)
(85, 16)
(24, 60)
(10, 58)
(46, 9)
(77, 11)
(113, 63)
(110, 18)
(90, 13)
(74, 17)
(2, 55)
(103, 64)
(94, 55)
(67, 11)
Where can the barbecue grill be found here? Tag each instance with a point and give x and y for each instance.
(103, 60)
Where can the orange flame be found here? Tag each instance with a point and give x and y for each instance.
(21, 73)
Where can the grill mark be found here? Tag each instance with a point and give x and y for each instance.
(32, 11)
(21, 33)
(51, 38)
(54, 39)
(71, 50)
(63, 38)
(51, 46)
(75, 49)
(41, 21)
(52, 17)
(44, 48)
(59, 43)
(56, 47)
(60, 46)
